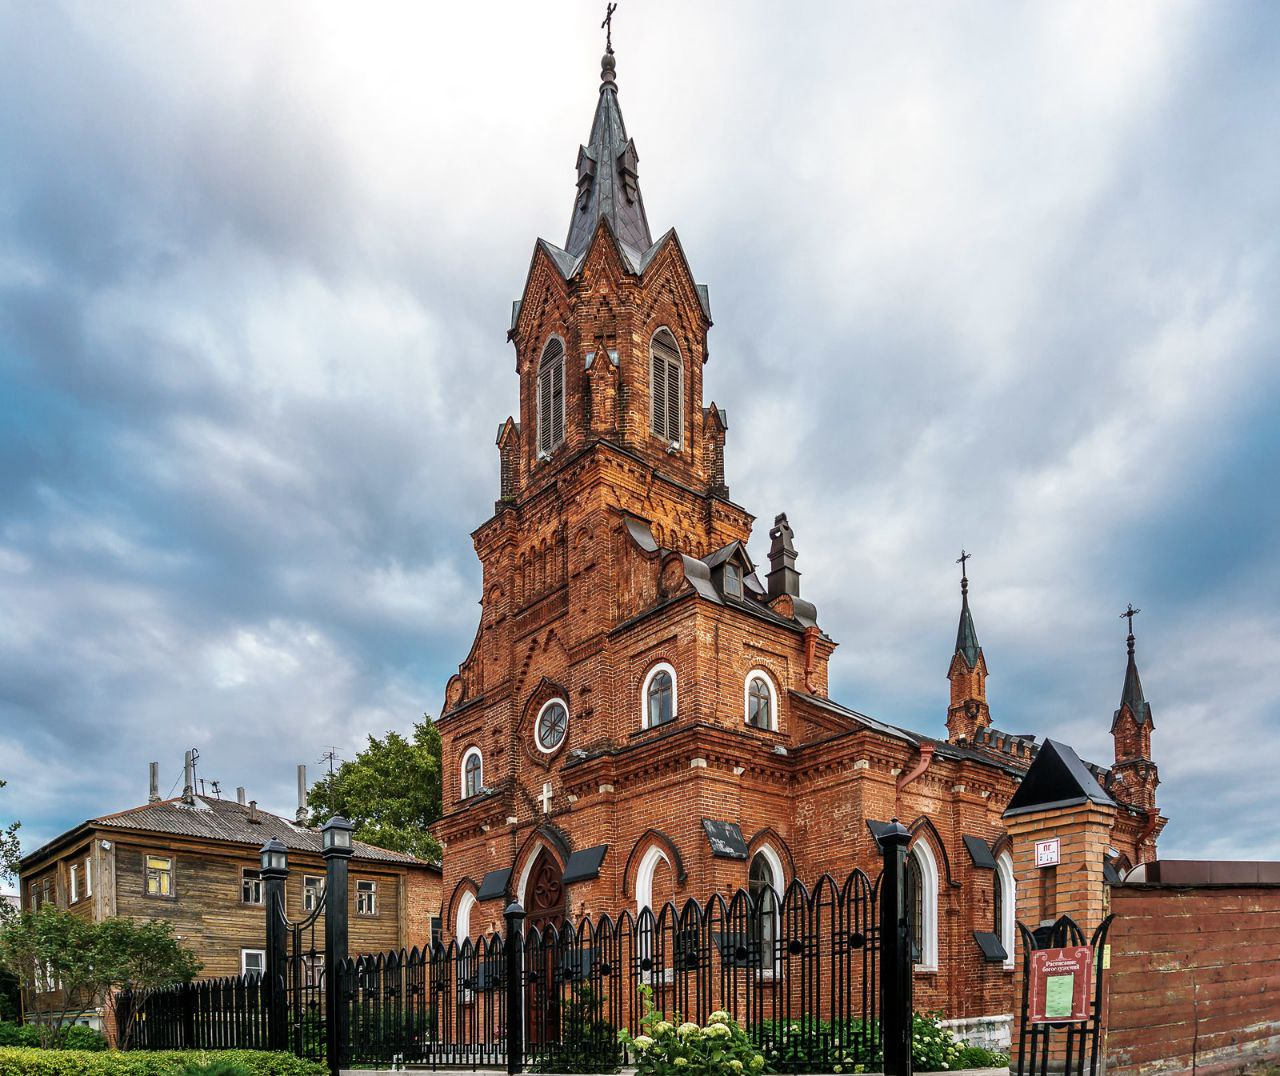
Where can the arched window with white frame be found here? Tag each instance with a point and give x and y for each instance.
(472, 774)
(550, 396)
(658, 696)
(922, 901)
(666, 388)
(1005, 906)
(462, 918)
(653, 859)
(765, 885)
(760, 701)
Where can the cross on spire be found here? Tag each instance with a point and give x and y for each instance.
(960, 560)
(1129, 614)
(607, 27)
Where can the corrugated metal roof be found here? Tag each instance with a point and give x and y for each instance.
(226, 820)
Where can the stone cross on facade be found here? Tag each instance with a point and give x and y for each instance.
(545, 798)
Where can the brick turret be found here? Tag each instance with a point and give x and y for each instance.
(1134, 775)
(968, 674)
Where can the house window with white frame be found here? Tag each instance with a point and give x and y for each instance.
(75, 883)
(88, 878)
(312, 889)
(253, 962)
(250, 886)
(366, 897)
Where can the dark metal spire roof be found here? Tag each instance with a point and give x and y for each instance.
(1132, 696)
(608, 185)
(966, 634)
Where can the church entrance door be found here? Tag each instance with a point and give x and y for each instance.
(544, 913)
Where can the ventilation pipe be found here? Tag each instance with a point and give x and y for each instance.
(253, 813)
(240, 795)
(189, 779)
(301, 816)
(153, 796)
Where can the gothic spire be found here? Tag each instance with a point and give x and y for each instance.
(966, 635)
(1131, 695)
(608, 184)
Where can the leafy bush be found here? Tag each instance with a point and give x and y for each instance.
(809, 1044)
(586, 1041)
(670, 1048)
(79, 1037)
(934, 1048)
(979, 1057)
(25, 1061)
(75, 1037)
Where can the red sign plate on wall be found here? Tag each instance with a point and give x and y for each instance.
(1060, 984)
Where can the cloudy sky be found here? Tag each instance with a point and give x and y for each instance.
(1002, 276)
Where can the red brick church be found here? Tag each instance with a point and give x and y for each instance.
(644, 714)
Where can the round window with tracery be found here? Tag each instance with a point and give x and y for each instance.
(553, 724)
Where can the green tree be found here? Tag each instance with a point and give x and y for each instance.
(54, 956)
(390, 792)
(66, 963)
(141, 956)
(10, 851)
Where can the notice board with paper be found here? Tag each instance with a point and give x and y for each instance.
(1060, 980)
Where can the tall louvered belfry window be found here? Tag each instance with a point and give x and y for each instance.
(666, 388)
(551, 396)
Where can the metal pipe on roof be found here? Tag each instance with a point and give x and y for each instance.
(153, 795)
(301, 815)
(240, 795)
(188, 778)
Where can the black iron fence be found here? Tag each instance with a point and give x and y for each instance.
(799, 971)
(820, 976)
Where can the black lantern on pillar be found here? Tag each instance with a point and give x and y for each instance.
(275, 859)
(335, 836)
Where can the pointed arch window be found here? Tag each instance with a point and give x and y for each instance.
(922, 904)
(666, 388)
(1004, 906)
(551, 396)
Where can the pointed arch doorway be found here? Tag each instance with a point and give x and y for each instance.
(544, 902)
(544, 893)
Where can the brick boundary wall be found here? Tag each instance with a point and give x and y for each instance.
(1195, 970)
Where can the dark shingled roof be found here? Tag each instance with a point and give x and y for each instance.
(967, 634)
(1131, 695)
(225, 820)
(607, 183)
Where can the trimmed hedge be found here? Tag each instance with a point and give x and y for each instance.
(25, 1061)
(75, 1037)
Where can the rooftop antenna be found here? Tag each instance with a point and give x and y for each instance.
(330, 756)
(217, 788)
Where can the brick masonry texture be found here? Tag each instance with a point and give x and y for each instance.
(1195, 979)
(578, 605)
